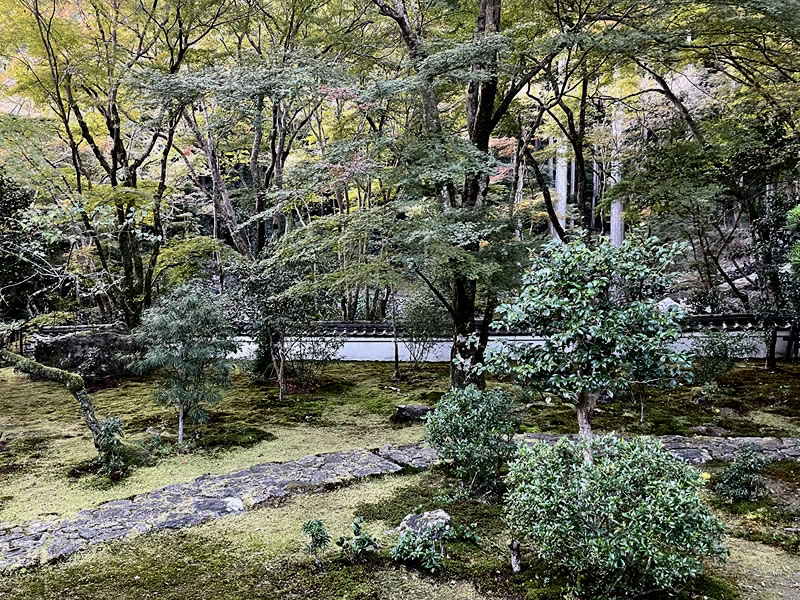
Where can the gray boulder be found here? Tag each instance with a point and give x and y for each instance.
(405, 413)
(96, 355)
(423, 523)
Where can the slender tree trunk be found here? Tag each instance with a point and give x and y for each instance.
(617, 205)
(396, 374)
(281, 373)
(74, 384)
(180, 422)
(561, 187)
(516, 559)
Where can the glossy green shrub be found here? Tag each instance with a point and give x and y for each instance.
(418, 549)
(474, 430)
(628, 521)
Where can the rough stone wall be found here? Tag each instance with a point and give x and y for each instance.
(93, 355)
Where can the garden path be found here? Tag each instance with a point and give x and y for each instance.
(214, 496)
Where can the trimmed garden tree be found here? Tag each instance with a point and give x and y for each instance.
(596, 309)
(188, 339)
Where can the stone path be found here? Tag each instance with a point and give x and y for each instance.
(697, 450)
(203, 499)
(214, 496)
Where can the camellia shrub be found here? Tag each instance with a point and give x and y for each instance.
(474, 430)
(629, 521)
(741, 480)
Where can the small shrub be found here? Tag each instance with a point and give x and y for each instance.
(474, 429)
(110, 457)
(157, 447)
(628, 522)
(417, 549)
(716, 354)
(357, 546)
(319, 538)
(741, 480)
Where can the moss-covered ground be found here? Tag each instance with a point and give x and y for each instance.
(751, 402)
(260, 554)
(44, 443)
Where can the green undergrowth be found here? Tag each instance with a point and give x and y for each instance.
(259, 554)
(774, 518)
(46, 451)
(253, 555)
(485, 565)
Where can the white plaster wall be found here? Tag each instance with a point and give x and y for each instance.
(382, 349)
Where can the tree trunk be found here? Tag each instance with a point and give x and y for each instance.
(280, 370)
(771, 361)
(561, 186)
(585, 410)
(74, 384)
(617, 205)
(180, 422)
(396, 374)
(516, 559)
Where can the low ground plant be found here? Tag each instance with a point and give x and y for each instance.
(741, 480)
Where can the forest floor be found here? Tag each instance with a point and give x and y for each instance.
(44, 452)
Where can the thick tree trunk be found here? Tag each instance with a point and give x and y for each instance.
(585, 410)
(771, 361)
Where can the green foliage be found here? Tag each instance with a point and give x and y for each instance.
(716, 353)
(474, 430)
(188, 339)
(596, 310)
(182, 260)
(628, 522)
(319, 538)
(741, 480)
(360, 544)
(418, 549)
(109, 447)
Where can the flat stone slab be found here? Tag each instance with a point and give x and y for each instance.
(414, 456)
(184, 505)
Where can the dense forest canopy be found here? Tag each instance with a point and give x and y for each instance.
(331, 157)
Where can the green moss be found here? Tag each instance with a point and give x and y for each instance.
(787, 470)
(350, 409)
(711, 586)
